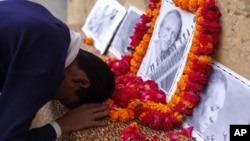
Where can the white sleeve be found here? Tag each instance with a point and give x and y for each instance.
(57, 128)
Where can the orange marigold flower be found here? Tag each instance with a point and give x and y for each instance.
(133, 70)
(188, 68)
(134, 103)
(126, 115)
(140, 51)
(109, 101)
(182, 83)
(149, 12)
(141, 115)
(179, 117)
(89, 41)
(135, 64)
(175, 99)
(193, 5)
(185, 5)
(192, 56)
(113, 115)
(188, 104)
(177, 3)
(201, 3)
(121, 114)
(137, 57)
(150, 29)
(205, 59)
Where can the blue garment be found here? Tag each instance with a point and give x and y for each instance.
(33, 49)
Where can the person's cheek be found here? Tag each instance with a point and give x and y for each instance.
(214, 116)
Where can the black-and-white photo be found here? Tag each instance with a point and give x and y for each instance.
(121, 39)
(168, 47)
(102, 22)
(223, 102)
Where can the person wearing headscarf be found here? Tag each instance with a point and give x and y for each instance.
(41, 60)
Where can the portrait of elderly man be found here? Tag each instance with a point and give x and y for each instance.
(212, 101)
(168, 47)
(164, 67)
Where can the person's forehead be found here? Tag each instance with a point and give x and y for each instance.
(171, 16)
(216, 95)
(171, 19)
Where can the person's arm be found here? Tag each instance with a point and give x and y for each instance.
(31, 81)
(34, 49)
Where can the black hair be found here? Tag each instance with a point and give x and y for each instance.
(100, 76)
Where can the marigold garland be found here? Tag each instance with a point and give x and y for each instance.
(136, 99)
(139, 42)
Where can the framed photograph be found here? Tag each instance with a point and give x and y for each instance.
(224, 102)
(168, 48)
(121, 39)
(102, 22)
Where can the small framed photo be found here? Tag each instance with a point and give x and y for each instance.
(103, 21)
(121, 39)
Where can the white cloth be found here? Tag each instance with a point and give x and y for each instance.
(74, 46)
(57, 128)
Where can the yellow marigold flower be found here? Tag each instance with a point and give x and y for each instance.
(179, 117)
(182, 83)
(141, 115)
(175, 99)
(188, 104)
(149, 12)
(134, 124)
(208, 45)
(205, 59)
(171, 104)
(134, 103)
(126, 115)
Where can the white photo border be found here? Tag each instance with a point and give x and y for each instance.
(103, 35)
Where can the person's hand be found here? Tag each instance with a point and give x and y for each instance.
(84, 116)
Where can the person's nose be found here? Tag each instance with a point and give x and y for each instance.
(213, 117)
(167, 36)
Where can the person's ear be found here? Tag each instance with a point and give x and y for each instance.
(160, 33)
(84, 82)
